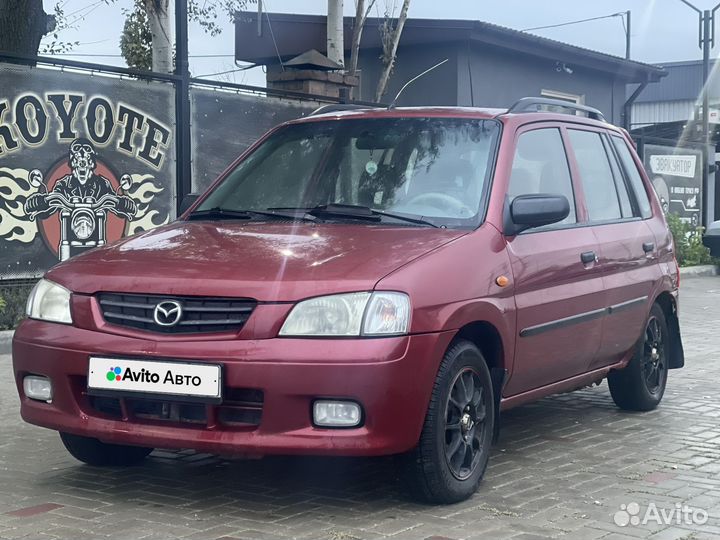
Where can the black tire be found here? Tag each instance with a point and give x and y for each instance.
(640, 386)
(94, 452)
(433, 472)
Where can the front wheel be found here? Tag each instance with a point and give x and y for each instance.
(451, 457)
(640, 386)
(94, 452)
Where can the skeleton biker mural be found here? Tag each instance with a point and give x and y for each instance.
(80, 167)
(82, 198)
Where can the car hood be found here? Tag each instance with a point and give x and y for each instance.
(265, 261)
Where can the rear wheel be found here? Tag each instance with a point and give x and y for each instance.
(640, 386)
(452, 454)
(94, 452)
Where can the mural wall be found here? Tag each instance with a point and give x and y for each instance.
(88, 158)
(84, 160)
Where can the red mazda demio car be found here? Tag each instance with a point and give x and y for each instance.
(367, 282)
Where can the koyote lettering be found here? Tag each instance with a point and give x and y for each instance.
(31, 120)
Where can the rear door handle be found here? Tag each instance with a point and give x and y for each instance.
(588, 257)
(648, 247)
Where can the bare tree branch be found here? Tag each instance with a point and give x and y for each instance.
(361, 15)
(391, 39)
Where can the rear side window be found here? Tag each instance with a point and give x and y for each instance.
(601, 195)
(540, 165)
(622, 188)
(633, 175)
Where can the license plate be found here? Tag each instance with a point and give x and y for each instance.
(182, 379)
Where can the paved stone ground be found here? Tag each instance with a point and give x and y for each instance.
(562, 468)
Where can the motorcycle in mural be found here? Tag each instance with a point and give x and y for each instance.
(82, 198)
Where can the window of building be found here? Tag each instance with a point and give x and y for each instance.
(564, 96)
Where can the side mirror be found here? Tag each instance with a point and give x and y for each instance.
(187, 202)
(537, 210)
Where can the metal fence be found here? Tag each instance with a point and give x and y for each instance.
(90, 153)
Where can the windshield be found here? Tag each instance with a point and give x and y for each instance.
(434, 168)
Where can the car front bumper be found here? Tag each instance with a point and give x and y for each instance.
(391, 378)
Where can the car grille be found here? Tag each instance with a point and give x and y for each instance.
(199, 314)
(241, 408)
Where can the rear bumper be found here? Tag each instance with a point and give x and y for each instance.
(391, 378)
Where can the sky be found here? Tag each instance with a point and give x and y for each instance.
(662, 30)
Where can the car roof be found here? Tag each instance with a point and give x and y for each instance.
(346, 112)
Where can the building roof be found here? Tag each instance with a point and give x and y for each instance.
(288, 35)
(684, 82)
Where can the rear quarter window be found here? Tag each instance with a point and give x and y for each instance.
(633, 175)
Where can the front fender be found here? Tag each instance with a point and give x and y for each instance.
(456, 284)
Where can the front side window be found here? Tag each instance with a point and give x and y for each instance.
(434, 168)
(540, 165)
(601, 196)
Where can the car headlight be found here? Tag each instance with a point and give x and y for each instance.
(49, 301)
(353, 314)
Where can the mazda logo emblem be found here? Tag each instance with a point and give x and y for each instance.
(168, 313)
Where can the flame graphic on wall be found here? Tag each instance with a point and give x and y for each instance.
(14, 191)
(143, 191)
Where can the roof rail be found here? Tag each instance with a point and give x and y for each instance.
(338, 107)
(534, 104)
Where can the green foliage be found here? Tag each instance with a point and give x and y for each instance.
(13, 297)
(205, 12)
(689, 248)
(56, 45)
(136, 38)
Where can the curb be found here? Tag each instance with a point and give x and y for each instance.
(704, 270)
(6, 341)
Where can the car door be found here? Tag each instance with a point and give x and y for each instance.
(627, 250)
(559, 293)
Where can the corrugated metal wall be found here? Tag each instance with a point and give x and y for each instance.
(657, 112)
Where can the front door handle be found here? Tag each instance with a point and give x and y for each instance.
(588, 257)
(648, 247)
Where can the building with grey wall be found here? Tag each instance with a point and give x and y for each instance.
(488, 65)
(676, 97)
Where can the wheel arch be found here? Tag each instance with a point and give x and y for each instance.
(487, 338)
(668, 304)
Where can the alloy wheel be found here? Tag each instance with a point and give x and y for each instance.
(465, 424)
(653, 355)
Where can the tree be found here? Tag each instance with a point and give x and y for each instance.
(335, 28)
(136, 38)
(158, 16)
(361, 15)
(390, 40)
(23, 23)
(146, 41)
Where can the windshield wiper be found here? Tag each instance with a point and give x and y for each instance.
(357, 211)
(219, 213)
(409, 218)
(223, 213)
